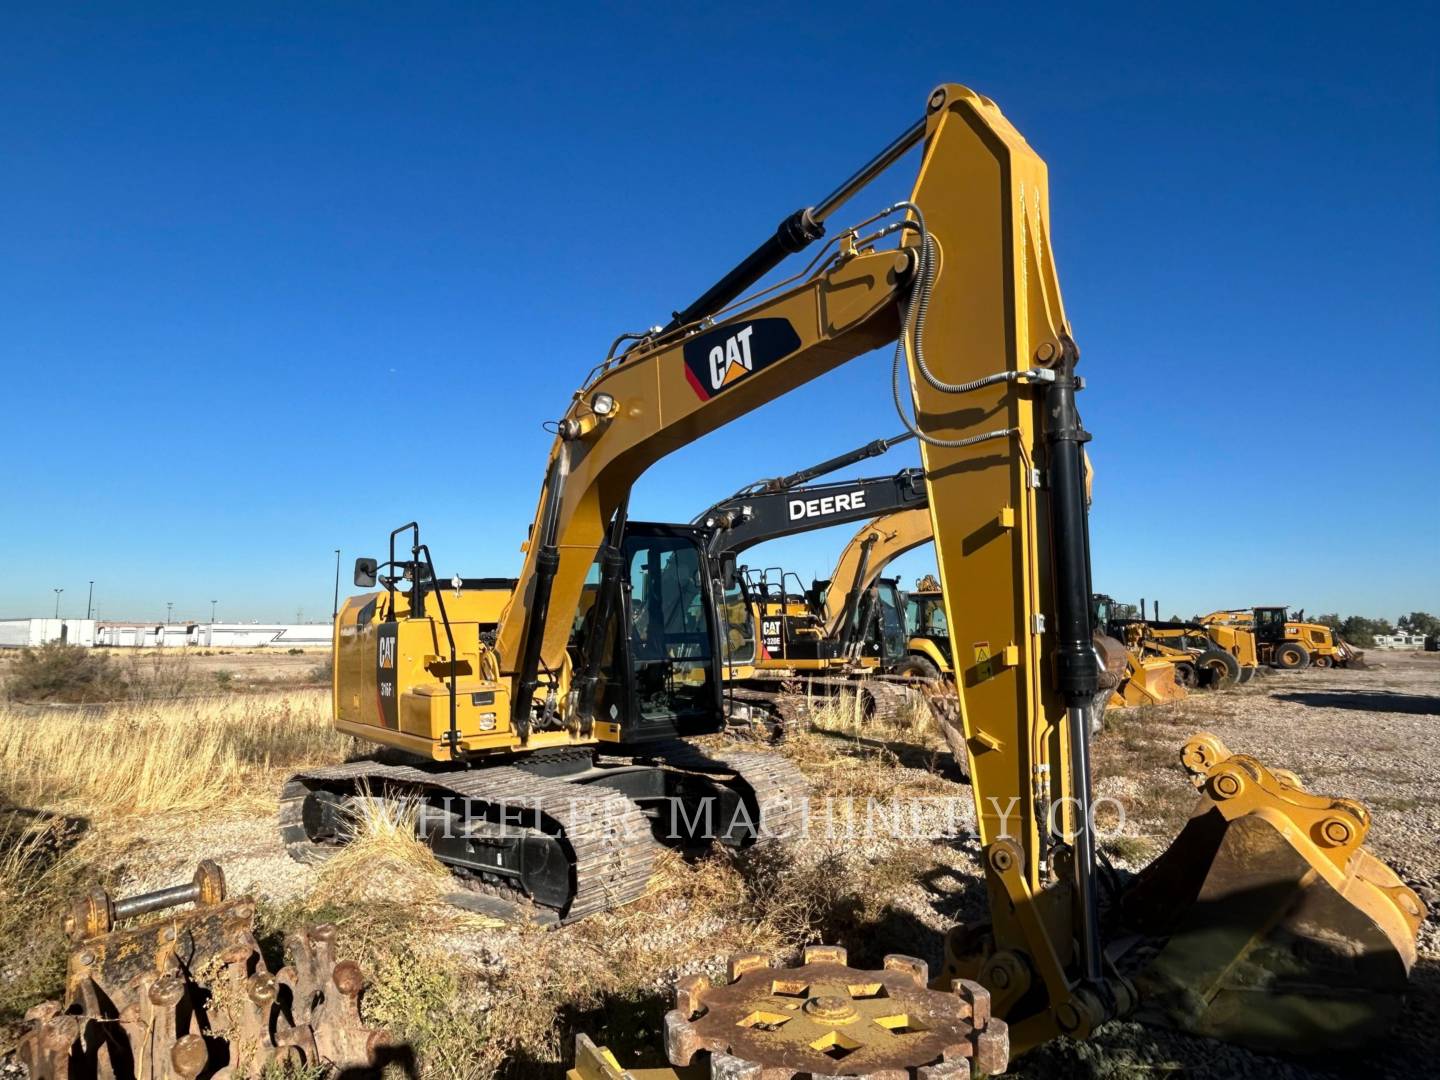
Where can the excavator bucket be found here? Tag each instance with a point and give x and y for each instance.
(1280, 931)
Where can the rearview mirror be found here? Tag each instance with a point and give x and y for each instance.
(727, 570)
(365, 573)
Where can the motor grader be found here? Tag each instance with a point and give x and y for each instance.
(1204, 642)
(1202, 657)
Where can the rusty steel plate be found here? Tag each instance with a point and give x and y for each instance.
(824, 1018)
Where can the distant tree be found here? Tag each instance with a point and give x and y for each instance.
(1332, 620)
(1361, 631)
(1420, 622)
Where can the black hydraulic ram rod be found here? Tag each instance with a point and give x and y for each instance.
(804, 476)
(1077, 667)
(547, 562)
(607, 598)
(795, 233)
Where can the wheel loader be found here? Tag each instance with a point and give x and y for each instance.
(1266, 921)
(1286, 643)
(928, 648)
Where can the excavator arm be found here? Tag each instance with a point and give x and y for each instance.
(874, 546)
(743, 521)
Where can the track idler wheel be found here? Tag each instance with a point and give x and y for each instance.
(824, 1018)
(191, 995)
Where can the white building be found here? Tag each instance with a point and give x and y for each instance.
(1401, 639)
(27, 633)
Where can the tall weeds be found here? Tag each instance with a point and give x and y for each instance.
(151, 757)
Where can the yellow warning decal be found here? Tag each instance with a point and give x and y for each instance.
(983, 666)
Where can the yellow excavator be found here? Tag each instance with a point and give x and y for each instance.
(854, 590)
(1267, 920)
(539, 722)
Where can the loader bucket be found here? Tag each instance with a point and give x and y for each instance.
(1278, 930)
(1149, 682)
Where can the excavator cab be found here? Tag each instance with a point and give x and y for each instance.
(665, 674)
(880, 631)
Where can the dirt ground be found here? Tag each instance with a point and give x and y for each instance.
(1370, 734)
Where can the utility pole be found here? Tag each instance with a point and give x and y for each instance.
(212, 611)
(335, 609)
(57, 601)
(169, 605)
(90, 600)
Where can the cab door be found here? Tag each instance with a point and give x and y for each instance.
(664, 676)
(894, 642)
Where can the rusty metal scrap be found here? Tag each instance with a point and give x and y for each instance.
(190, 994)
(824, 1018)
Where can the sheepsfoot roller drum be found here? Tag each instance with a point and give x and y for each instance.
(820, 1019)
(1281, 932)
(190, 995)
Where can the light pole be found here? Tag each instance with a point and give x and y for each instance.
(90, 600)
(212, 611)
(335, 609)
(169, 604)
(57, 601)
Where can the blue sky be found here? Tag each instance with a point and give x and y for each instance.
(275, 281)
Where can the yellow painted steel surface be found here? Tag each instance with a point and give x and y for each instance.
(887, 537)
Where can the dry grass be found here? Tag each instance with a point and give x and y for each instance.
(849, 757)
(164, 756)
(384, 859)
(37, 869)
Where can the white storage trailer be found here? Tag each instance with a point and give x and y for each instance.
(263, 635)
(28, 633)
